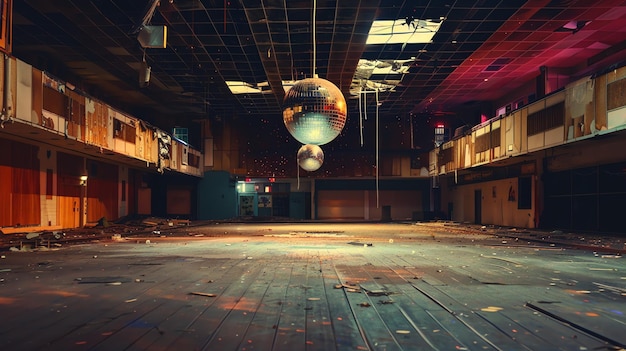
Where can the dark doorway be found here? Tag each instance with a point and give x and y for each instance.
(478, 206)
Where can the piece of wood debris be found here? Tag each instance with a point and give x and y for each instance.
(358, 243)
(202, 294)
(348, 286)
(347, 289)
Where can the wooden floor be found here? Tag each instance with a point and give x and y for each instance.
(313, 287)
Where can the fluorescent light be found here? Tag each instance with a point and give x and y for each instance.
(237, 87)
(403, 31)
(287, 84)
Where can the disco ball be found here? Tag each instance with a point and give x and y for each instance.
(310, 157)
(314, 111)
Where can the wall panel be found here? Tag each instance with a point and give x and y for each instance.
(25, 185)
(600, 105)
(144, 201)
(6, 174)
(340, 204)
(102, 191)
(179, 202)
(69, 190)
(48, 198)
(37, 101)
(403, 204)
(24, 92)
(76, 116)
(97, 123)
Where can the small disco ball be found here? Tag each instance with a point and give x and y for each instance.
(310, 157)
(314, 111)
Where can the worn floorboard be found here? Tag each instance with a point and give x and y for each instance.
(300, 290)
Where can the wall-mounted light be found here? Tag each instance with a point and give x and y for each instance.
(83, 180)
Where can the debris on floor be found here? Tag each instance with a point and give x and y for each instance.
(357, 243)
(102, 280)
(348, 287)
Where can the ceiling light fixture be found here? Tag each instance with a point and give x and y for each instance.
(148, 36)
(151, 36)
(417, 31)
(144, 72)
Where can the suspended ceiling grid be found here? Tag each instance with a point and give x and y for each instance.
(483, 49)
